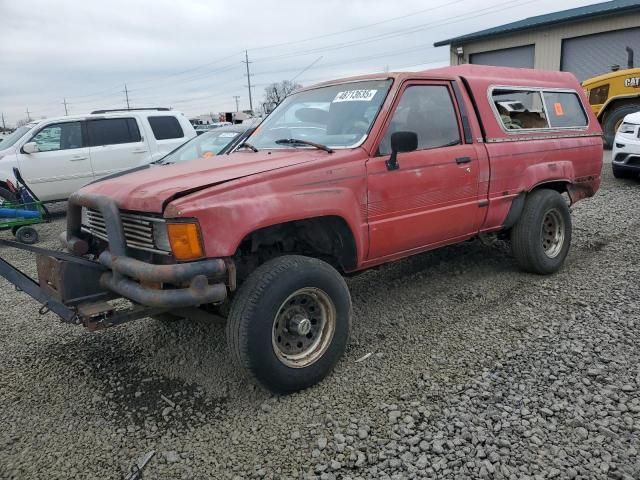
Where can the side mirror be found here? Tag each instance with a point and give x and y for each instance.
(31, 147)
(401, 142)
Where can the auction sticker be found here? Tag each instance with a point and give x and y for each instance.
(355, 96)
(228, 135)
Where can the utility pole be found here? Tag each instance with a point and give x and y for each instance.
(126, 95)
(237, 97)
(64, 102)
(4, 125)
(247, 62)
(28, 115)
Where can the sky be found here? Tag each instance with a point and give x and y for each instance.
(188, 54)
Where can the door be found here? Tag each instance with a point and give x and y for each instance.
(432, 197)
(62, 164)
(115, 145)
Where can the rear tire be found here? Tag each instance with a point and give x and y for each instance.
(27, 235)
(289, 323)
(541, 237)
(614, 119)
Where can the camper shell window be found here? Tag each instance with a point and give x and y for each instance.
(522, 109)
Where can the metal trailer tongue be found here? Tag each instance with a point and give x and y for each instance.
(69, 286)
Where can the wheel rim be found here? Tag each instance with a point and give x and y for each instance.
(552, 233)
(303, 327)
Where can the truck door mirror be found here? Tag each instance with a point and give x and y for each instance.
(31, 147)
(401, 142)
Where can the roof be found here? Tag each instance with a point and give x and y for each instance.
(498, 75)
(613, 7)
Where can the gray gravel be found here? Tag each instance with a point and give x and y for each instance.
(477, 371)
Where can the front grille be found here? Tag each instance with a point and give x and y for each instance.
(138, 229)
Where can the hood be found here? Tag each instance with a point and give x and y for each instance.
(149, 189)
(633, 118)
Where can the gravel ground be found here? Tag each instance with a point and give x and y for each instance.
(477, 371)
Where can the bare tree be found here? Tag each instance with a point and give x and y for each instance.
(276, 92)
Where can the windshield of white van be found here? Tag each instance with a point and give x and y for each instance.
(12, 138)
(336, 116)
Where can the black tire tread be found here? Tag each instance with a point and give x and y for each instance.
(525, 231)
(248, 295)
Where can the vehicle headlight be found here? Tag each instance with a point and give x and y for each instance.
(627, 128)
(185, 240)
(160, 236)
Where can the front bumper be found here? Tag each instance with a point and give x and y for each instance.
(142, 282)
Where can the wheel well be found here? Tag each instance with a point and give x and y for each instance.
(559, 186)
(328, 238)
(609, 107)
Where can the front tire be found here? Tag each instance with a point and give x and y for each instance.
(289, 323)
(541, 237)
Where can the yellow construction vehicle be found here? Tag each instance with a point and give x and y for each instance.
(614, 95)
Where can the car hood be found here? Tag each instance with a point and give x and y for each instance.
(149, 189)
(633, 118)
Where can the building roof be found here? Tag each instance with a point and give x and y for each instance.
(613, 7)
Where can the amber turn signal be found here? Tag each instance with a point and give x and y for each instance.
(185, 241)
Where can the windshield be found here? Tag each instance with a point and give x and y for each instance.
(338, 116)
(206, 145)
(17, 134)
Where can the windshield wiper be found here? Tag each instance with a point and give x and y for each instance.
(246, 145)
(295, 141)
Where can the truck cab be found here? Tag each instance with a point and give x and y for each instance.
(341, 177)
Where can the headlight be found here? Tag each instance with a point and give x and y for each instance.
(160, 236)
(185, 240)
(627, 128)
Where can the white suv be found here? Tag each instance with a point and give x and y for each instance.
(625, 155)
(57, 156)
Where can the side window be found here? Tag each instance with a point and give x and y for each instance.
(520, 109)
(564, 110)
(428, 111)
(112, 131)
(60, 136)
(166, 127)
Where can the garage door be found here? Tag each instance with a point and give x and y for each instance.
(593, 55)
(521, 57)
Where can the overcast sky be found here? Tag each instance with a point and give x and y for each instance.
(187, 54)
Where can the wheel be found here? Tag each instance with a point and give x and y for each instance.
(541, 237)
(614, 120)
(7, 196)
(622, 173)
(289, 323)
(26, 234)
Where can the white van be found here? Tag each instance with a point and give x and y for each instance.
(57, 156)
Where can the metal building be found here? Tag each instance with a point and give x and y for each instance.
(586, 41)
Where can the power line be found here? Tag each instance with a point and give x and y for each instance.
(401, 32)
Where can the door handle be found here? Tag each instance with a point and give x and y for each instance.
(461, 160)
(77, 159)
(140, 151)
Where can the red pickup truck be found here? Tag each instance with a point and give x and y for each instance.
(340, 177)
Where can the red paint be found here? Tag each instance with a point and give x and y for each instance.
(428, 202)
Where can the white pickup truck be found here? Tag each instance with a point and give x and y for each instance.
(57, 156)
